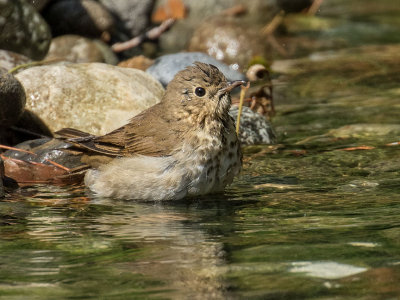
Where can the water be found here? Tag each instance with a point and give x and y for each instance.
(316, 217)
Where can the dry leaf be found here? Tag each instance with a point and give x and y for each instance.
(172, 9)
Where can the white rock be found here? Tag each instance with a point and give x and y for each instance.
(93, 97)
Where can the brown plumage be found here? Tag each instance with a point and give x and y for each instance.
(190, 128)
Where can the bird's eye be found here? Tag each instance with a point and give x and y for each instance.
(199, 91)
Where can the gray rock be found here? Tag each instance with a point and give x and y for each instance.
(132, 17)
(23, 30)
(39, 4)
(93, 97)
(12, 99)
(78, 49)
(254, 128)
(83, 17)
(10, 59)
(293, 6)
(165, 67)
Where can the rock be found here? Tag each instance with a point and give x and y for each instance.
(293, 6)
(93, 97)
(165, 67)
(177, 38)
(23, 30)
(45, 149)
(229, 40)
(78, 49)
(12, 99)
(2, 193)
(39, 4)
(131, 17)
(9, 59)
(82, 17)
(254, 128)
(140, 62)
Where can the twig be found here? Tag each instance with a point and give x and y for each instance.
(34, 64)
(314, 7)
(275, 22)
(152, 34)
(34, 154)
(243, 90)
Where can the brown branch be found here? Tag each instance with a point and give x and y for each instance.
(152, 34)
(314, 7)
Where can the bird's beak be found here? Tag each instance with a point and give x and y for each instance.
(231, 86)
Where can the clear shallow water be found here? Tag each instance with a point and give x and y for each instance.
(272, 235)
(309, 219)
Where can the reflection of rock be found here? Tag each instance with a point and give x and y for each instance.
(83, 17)
(22, 29)
(165, 67)
(229, 40)
(92, 97)
(254, 128)
(78, 49)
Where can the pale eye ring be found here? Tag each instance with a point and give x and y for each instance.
(200, 92)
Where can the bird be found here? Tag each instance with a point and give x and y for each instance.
(185, 145)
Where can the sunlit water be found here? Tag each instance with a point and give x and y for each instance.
(314, 218)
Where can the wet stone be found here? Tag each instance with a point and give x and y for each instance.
(254, 128)
(46, 149)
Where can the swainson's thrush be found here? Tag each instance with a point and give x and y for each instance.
(185, 145)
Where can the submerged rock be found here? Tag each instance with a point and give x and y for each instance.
(93, 97)
(23, 30)
(78, 49)
(165, 67)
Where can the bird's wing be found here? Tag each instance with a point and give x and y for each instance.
(148, 133)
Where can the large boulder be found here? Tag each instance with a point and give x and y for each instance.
(93, 97)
